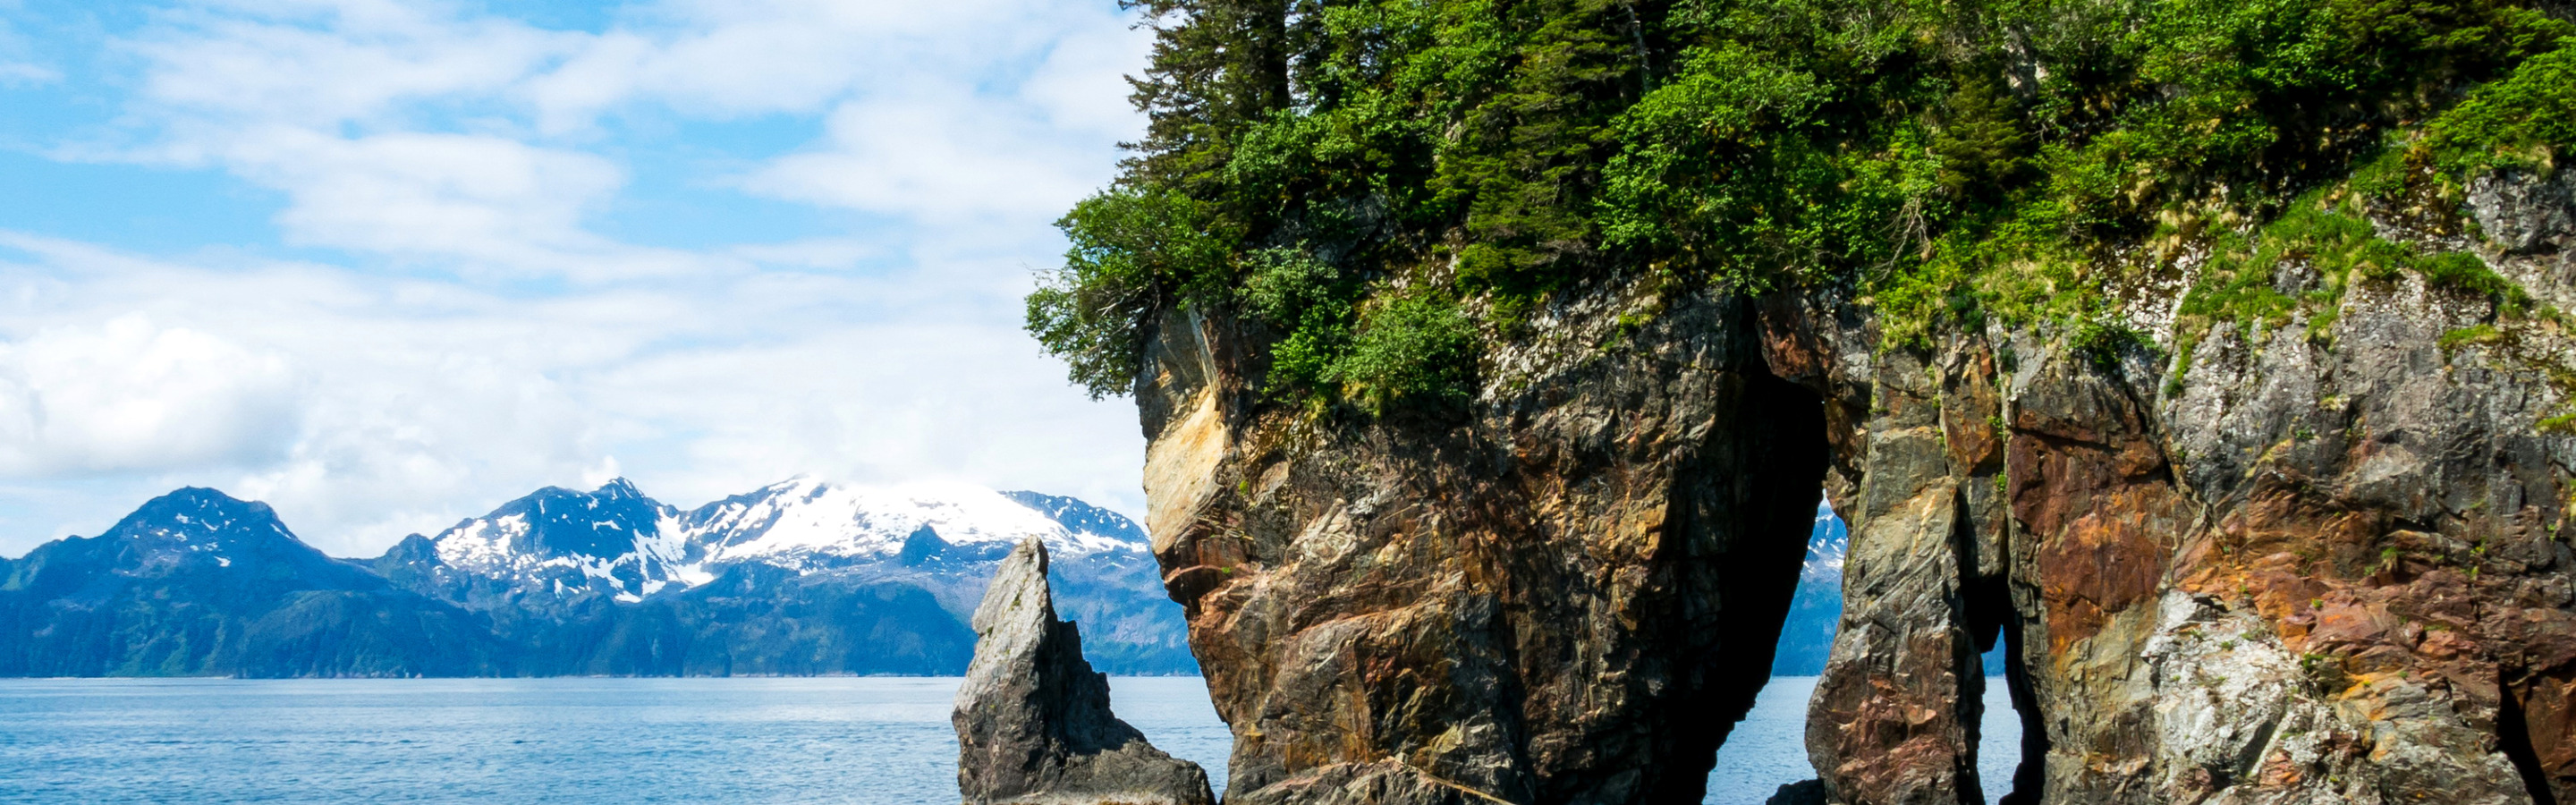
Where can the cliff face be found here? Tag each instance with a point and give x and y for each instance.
(2318, 561)
(1564, 596)
(2311, 558)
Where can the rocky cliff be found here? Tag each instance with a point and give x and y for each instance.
(1566, 598)
(2315, 558)
(2307, 559)
(2209, 358)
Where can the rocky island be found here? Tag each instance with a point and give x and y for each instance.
(2211, 358)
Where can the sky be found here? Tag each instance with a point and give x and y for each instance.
(385, 264)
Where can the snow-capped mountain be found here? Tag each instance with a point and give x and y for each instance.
(611, 540)
(1807, 637)
(196, 582)
(615, 541)
(798, 578)
(194, 527)
(559, 557)
(806, 524)
(1825, 547)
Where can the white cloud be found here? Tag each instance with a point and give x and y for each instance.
(1083, 84)
(130, 395)
(940, 161)
(414, 403)
(318, 65)
(421, 129)
(19, 64)
(471, 196)
(479, 155)
(735, 57)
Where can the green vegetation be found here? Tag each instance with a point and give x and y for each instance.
(2526, 120)
(1356, 176)
(2237, 283)
(2479, 334)
(1413, 348)
(1133, 251)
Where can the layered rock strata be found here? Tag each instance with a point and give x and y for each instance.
(1033, 720)
(2304, 561)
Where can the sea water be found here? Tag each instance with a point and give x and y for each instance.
(616, 741)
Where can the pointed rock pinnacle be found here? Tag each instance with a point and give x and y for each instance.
(1033, 720)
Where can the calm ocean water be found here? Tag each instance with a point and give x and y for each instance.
(617, 741)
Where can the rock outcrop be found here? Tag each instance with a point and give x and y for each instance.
(1566, 596)
(2310, 560)
(1033, 720)
(2304, 560)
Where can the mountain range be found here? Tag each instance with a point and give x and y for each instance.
(1817, 608)
(802, 577)
(797, 578)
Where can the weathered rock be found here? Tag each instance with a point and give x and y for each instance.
(1565, 595)
(1033, 720)
(2319, 564)
(2314, 561)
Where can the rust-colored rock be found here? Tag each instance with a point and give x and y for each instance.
(1565, 594)
(2312, 564)
(2297, 569)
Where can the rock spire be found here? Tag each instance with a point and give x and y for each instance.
(1033, 720)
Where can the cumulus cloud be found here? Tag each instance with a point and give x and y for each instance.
(130, 395)
(426, 129)
(473, 329)
(366, 409)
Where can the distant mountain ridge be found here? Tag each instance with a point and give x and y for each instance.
(1807, 637)
(198, 583)
(1816, 611)
(799, 577)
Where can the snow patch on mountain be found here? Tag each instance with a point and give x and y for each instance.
(198, 520)
(618, 540)
(1826, 545)
(797, 522)
(612, 539)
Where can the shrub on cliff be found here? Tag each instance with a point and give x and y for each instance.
(1953, 162)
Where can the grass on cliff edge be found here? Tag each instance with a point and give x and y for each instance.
(1354, 178)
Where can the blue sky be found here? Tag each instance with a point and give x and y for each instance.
(386, 263)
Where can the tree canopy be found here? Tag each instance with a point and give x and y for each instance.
(1350, 174)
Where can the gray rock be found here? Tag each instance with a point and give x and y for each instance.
(1033, 720)
(2522, 212)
